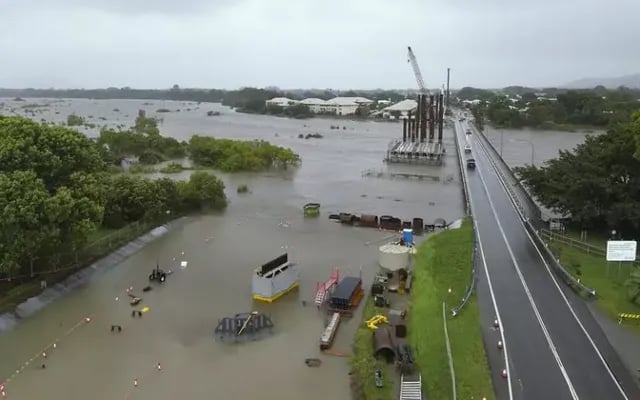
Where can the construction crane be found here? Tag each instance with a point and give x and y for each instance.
(416, 70)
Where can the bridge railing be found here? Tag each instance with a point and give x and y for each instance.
(533, 218)
(465, 194)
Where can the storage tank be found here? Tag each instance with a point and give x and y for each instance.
(407, 235)
(393, 257)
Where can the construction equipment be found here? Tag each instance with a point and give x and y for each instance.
(158, 274)
(373, 322)
(416, 70)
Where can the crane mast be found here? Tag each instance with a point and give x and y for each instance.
(416, 70)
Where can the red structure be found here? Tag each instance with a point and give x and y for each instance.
(322, 288)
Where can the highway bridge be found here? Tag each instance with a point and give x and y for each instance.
(552, 346)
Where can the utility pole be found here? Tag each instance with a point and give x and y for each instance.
(448, 92)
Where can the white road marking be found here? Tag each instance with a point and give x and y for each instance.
(493, 296)
(564, 297)
(545, 331)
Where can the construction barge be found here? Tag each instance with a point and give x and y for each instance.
(274, 279)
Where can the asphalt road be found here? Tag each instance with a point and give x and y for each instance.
(552, 353)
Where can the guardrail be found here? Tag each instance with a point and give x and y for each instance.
(463, 176)
(465, 193)
(579, 245)
(548, 256)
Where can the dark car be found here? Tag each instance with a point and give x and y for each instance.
(471, 163)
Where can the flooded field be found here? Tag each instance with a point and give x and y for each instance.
(222, 251)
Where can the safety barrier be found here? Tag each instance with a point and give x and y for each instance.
(465, 193)
(547, 255)
(623, 316)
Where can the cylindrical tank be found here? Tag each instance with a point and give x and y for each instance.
(407, 235)
(393, 257)
(369, 220)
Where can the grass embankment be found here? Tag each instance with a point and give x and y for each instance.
(364, 364)
(444, 262)
(607, 280)
(101, 242)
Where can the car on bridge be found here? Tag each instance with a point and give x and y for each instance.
(471, 163)
(467, 148)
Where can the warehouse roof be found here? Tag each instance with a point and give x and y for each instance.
(349, 100)
(404, 105)
(312, 101)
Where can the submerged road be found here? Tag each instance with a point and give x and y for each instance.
(551, 349)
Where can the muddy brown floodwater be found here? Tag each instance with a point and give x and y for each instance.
(222, 251)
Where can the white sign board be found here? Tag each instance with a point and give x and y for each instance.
(621, 250)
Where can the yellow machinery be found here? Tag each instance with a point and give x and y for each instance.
(375, 320)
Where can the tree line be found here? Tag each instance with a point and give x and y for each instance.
(245, 99)
(597, 184)
(55, 190)
(144, 142)
(598, 107)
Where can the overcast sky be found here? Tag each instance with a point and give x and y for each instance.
(338, 44)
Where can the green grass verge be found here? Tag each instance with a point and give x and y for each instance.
(593, 238)
(364, 364)
(607, 281)
(444, 262)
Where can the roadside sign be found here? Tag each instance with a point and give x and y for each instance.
(621, 250)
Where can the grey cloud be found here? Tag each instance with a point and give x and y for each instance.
(130, 7)
(305, 43)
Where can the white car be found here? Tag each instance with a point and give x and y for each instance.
(467, 148)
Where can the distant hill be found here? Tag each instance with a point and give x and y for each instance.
(630, 81)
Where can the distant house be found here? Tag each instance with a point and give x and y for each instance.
(347, 105)
(337, 105)
(317, 106)
(471, 102)
(281, 102)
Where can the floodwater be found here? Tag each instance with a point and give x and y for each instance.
(222, 251)
(521, 146)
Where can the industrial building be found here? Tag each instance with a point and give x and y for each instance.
(337, 105)
(399, 110)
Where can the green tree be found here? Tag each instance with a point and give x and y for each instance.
(129, 199)
(23, 199)
(235, 155)
(54, 153)
(75, 120)
(598, 183)
(203, 191)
